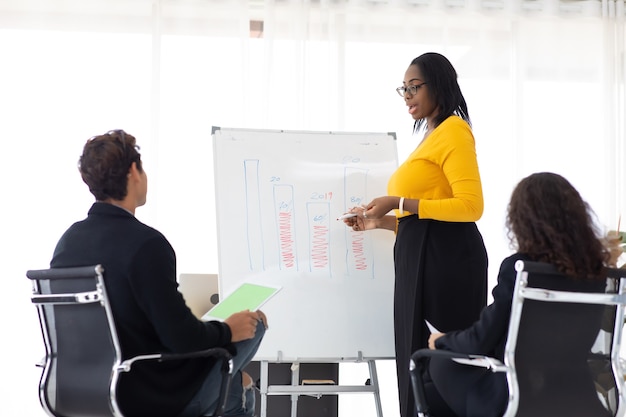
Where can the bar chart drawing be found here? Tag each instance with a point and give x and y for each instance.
(318, 215)
(286, 224)
(359, 256)
(254, 230)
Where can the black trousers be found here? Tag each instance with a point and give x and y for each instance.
(441, 276)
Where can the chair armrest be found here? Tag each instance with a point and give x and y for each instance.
(417, 366)
(215, 352)
(463, 358)
(219, 353)
(482, 361)
(420, 354)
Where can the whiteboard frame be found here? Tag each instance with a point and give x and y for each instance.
(367, 318)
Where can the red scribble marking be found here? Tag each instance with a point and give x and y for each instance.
(319, 247)
(285, 237)
(358, 251)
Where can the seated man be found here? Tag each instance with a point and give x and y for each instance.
(150, 314)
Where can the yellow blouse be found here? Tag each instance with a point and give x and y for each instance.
(442, 172)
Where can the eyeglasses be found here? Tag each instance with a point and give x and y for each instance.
(409, 89)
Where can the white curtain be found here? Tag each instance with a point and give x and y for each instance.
(544, 81)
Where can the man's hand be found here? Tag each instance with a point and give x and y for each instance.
(262, 318)
(243, 324)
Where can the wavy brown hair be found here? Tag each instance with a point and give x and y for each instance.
(105, 162)
(549, 221)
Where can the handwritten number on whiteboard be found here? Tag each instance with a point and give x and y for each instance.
(356, 200)
(320, 218)
(348, 159)
(322, 196)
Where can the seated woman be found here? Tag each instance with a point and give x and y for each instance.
(547, 221)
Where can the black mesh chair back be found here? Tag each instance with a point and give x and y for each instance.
(562, 355)
(83, 357)
(81, 349)
(559, 346)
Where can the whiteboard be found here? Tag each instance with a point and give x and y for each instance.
(278, 196)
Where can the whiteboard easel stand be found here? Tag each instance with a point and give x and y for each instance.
(287, 187)
(295, 389)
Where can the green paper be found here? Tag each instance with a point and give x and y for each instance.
(246, 297)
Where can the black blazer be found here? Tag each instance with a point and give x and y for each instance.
(150, 314)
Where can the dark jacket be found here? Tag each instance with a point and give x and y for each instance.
(150, 314)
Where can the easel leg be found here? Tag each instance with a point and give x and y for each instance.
(374, 382)
(295, 381)
(264, 374)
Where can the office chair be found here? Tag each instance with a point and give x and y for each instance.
(83, 357)
(556, 333)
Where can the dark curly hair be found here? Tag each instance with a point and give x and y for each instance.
(105, 162)
(443, 87)
(550, 222)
